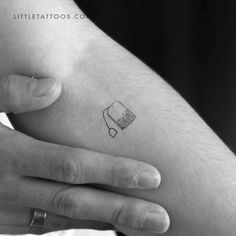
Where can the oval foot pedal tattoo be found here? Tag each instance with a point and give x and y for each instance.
(118, 114)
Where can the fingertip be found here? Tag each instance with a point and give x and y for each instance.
(156, 222)
(157, 178)
(48, 87)
(167, 217)
(44, 92)
(21, 94)
(56, 90)
(166, 225)
(148, 179)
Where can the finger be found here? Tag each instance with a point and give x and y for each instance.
(85, 203)
(13, 218)
(20, 94)
(78, 166)
(133, 232)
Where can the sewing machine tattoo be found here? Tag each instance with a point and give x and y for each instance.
(118, 114)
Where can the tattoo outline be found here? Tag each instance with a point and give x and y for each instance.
(120, 115)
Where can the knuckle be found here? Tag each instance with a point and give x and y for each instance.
(119, 215)
(66, 203)
(112, 174)
(126, 215)
(119, 173)
(4, 93)
(65, 169)
(5, 85)
(9, 94)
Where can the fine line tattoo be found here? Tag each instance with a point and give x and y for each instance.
(118, 114)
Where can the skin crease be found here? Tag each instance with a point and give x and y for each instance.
(198, 187)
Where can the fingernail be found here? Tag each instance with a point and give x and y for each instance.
(155, 222)
(43, 87)
(148, 180)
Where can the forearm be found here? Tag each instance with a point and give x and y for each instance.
(198, 186)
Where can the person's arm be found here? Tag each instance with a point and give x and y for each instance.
(33, 171)
(199, 179)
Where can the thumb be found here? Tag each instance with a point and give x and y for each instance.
(19, 94)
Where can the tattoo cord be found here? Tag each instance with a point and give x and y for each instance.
(112, 132)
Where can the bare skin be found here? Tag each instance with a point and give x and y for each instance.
(198, 170)
(34, 172)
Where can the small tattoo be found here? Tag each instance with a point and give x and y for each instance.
(118, 114)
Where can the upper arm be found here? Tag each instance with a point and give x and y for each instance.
(166, 132)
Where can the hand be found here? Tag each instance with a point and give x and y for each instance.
(35, 174)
